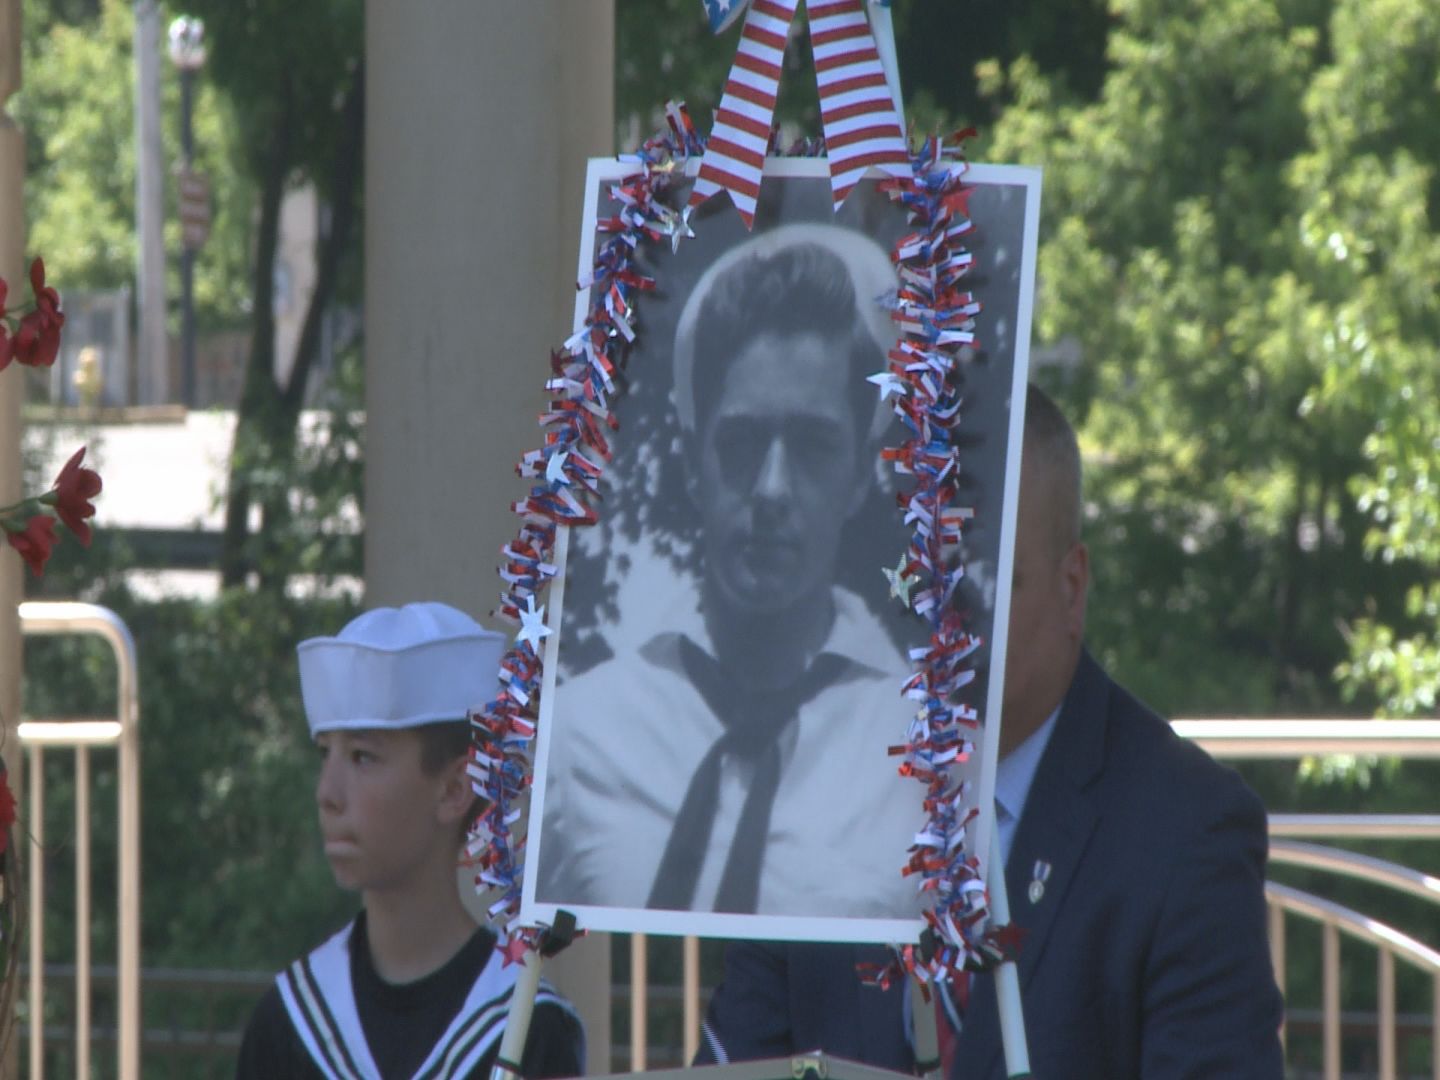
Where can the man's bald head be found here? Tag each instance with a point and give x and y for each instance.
(1052, 459)
(1051, 574)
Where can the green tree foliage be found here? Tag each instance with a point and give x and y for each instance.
(234, 875)
(1375, 174)
(279, 104)
(944, 47)
(664, 49)
(292, 74)
(1200, 249)
(1234, 191)
(1239, 244)
(233, 870)
(77, 109)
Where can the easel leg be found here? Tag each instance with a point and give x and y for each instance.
(927, 1040)
(522, 999)
(517, 1020)
(1007, 979)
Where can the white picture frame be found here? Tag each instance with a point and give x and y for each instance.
(616, 575)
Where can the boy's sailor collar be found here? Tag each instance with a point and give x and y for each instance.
(319, 997)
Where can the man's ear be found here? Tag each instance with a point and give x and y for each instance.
(455, 795)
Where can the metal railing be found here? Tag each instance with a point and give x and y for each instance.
(1235, 739)
(1335, 920)
(192, 1018)
(642, 996)
(81, 735)
(1286, 739)
(1294, 739)
(1242, 739)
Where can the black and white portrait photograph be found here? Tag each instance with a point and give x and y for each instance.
(723, 684)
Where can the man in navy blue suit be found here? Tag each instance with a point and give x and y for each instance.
(1134, 863)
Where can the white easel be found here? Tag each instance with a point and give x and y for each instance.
(926, 1040)
(1007, 978)
(517, 1021)
(522, 998)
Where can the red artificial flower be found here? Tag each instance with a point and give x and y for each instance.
(7, 810)
(34, 541)
(38, 341)
(74, 488)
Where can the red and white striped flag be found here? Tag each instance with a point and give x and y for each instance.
(735, 154)
(862, 129)
(856, 110)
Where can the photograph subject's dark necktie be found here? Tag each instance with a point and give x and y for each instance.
(753, 725)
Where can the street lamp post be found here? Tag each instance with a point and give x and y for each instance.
(187, 52)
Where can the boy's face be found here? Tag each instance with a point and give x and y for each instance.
(383, 819)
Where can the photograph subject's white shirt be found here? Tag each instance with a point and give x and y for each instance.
(630, 733)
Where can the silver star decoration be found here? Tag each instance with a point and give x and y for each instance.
(532, 624)
(555, 468)
(888, 382)
(680, 230)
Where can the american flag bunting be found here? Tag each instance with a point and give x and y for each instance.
(861, 127)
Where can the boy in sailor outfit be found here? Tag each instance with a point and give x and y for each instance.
(412, 989)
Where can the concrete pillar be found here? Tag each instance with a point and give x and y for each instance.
(478, 120)
(12, 242)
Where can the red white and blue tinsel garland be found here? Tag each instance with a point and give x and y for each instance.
(566, 471)
(935, 317)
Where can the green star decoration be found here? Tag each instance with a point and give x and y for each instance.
(900, 585)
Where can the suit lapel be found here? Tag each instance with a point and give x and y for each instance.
(1060, 815)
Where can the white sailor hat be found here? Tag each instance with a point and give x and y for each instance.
(398, 668)
(872, 276)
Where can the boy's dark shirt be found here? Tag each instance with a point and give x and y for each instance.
(403, 1022)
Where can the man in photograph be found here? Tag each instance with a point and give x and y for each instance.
(741, 766)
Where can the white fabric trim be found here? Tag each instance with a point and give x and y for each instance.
(481, 1018)
(330, 965)
(717, 1048)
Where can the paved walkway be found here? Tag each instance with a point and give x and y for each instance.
(159, 474)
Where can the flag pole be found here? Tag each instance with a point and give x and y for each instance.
(884, 30)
